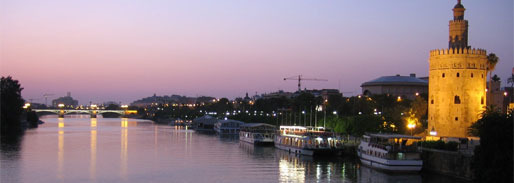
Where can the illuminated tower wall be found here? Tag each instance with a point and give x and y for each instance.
(457, 82)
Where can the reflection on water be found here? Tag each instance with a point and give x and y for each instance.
(165, 154)
(124, 147)
(92, 168)
(60, 150)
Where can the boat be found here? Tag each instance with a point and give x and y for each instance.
(390, 152)
(227, 127)
(257, 133)
(309, 141)
(204, 123)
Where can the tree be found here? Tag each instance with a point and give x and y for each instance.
(493, 159)
(492, 60)
(11, 107)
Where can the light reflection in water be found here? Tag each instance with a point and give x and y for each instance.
(124, 147)
(291, 170)
(60, 146)
(92, 167)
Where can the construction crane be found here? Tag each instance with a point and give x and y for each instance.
(32, 99)
(300, 78)
(46, 95)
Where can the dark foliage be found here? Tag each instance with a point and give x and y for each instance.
(11, 107)
(32, 119)
(493, 160)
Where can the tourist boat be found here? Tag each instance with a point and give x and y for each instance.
(307, 140)
(390, 152)
(257, 133)
(227, 127)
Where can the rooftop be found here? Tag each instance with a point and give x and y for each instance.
(396, 80)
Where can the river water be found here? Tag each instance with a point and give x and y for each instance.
(82, 149)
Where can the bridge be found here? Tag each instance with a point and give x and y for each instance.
(92, 112)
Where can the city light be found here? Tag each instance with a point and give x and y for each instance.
(399, 99)
(410, 126)
(417, 94)
(60, 105)
(335, 112)
(505, 93)
(433, 132)
(27, 105)
(124, 106)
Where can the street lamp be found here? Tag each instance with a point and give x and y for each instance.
(433, 132)
(335, 112)
(411, 126)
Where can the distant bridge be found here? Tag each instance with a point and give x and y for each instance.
(92, 112)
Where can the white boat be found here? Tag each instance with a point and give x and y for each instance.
(390, 152)
(227, 127)
(257, 133)
(307, 140)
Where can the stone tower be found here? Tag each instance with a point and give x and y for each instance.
(457, 82)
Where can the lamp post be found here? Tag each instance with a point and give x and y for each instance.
(125, 108)
(433, 132)
(61, 111)
(411, 126)
(325, 112)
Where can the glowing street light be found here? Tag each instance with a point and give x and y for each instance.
(124, 106)
(399, 99)
(433, 132)
(335, 112)
(60, 105)
(27, 105)
(411, 126)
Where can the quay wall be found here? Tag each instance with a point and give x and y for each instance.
(448, 163)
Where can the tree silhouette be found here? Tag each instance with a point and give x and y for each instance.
(11, 107)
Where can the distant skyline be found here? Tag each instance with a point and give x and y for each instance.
(124, 51)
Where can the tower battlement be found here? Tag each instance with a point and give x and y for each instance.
(458, 21)
(458, 51)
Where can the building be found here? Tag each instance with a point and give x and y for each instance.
(495, 94)
(406, 86)
(67, 100)
(457, 81)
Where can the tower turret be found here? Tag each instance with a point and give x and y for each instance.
(458, 28)
(457, 82)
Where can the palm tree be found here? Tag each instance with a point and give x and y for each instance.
(492, 60)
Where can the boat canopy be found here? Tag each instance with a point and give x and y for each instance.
(252, 125)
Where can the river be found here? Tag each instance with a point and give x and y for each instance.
(82, 149)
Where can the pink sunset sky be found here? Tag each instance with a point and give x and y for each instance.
(124, 50)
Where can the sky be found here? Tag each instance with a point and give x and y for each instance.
(124, 50)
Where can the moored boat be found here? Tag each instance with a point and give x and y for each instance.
(227, 127)
(257, 133)
(390, 152)
(307, 140)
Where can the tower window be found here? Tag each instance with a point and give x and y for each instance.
(443, 75)
(457, 99)
(482, 101)
(482, 75)
(456, 118)
(471, 74)
(432, 101)
(458, 74)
